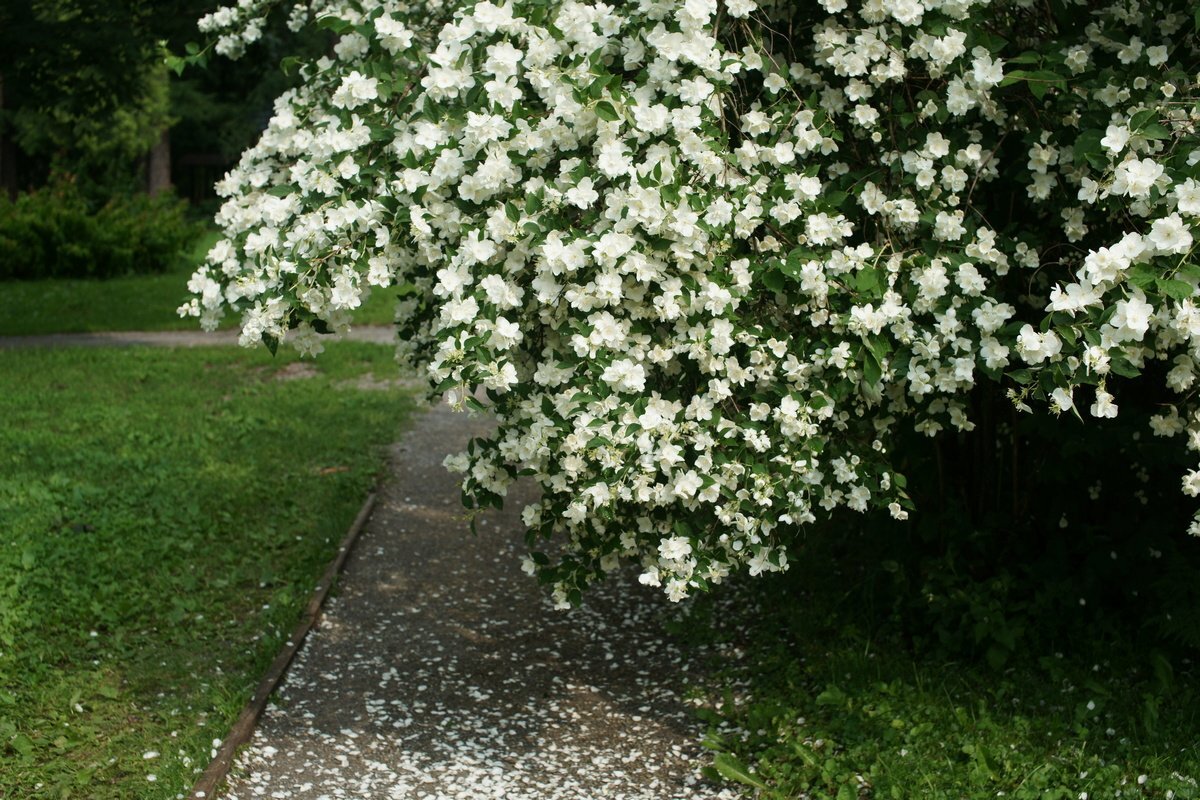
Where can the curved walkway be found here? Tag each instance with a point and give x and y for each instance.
(441, 673)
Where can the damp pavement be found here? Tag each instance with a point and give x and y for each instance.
(441, 672)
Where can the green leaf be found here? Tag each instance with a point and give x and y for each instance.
(335, 24)
(1028, 57)
(835, 199)
(22, 744)
(1175, 289)
(872, 369)
(1040, 81)
(1142, 118)
(1155, 131)
(1047, 76)
(1190, 271)
(1088, 144)
(868, 281)
(1141, 276)
(773, 280)
(732, 769)
(1121, 366)
(606, 111)
(832, 696)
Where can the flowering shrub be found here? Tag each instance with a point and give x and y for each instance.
(704, 258)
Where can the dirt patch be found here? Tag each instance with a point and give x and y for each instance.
(367, 382)
(297, 370)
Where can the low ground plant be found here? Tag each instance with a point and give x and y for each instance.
(807, 698)
(165, 516)
(1046, 650)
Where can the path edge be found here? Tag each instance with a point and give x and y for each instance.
(241, 731)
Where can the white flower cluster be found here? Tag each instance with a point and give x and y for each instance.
(235, 27)
(702, 269)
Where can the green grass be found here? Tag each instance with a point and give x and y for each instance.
(813, 693)
(134, 303)
(165, 517)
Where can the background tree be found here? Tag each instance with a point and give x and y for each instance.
(86, 91)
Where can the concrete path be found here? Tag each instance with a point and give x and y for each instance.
(378, 334)
(441, 673)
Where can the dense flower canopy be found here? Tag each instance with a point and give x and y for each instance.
(705, 258)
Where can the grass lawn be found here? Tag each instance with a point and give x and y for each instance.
(166, 515)
(137, 302)
(812, 694)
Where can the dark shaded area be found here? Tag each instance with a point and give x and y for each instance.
(85, 91)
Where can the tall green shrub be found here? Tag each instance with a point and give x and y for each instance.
(54, 233)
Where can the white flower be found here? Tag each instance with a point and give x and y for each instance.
(1104, 405)
(355, 90)
(948, 226)
(624, 375)
(1170, 235)
(740, 9)
(675, 548)
(1136, 178)
(1062, 399)
(1075, 297)
(583, 194)
(986, 72)
(506, 333)
(865, 115)
(1187, 197)
(1036, 347)
(650, 577)
(695, 90)
(1115, 138)
(393, 35)
(614, 159)
(1132, 319)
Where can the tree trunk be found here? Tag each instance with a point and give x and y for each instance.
(159, 173)
(8, 155)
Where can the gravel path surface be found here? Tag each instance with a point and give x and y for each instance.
(440, 672)
(379, 334)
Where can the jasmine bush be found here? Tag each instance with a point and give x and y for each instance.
(706, 259)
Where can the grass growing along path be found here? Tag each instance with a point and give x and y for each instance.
(132, 303)
(166, 514)
(813, 695)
